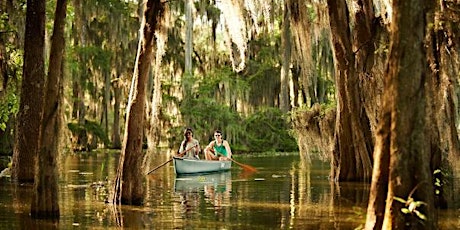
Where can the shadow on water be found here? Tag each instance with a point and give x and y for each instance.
(285, 193)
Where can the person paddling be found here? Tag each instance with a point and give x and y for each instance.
(189, 143)
(218, 149)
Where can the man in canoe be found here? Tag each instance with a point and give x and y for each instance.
(218, 149)
(190, 147)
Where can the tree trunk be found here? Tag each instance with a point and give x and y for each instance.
(128, 187)
(285, 70)
(116, 140)
(154, 127)
(443, 56)
(352, 154)
(45, 197)
(106, 103)
(380, 174)
(31, 103)
(188, 36)
(403, 144)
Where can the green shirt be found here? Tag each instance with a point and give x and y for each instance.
(220, 149)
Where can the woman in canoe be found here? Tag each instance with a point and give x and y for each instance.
(218, 149)
(190, 147)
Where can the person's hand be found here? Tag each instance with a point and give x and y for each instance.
(223, 158)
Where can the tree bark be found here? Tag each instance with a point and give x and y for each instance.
(442, 55)
(116, 139)
(188, 36)
(105, 116)
(45, 196)
(352, 153)
(285, 70)
(154, 126)
(31, 102)
(128, 186)
(403, 146)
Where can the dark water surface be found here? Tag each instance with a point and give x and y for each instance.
(285, 193)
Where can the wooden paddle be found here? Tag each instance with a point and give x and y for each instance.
(164, 163)
(245, 167)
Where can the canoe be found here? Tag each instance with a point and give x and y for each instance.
(194, 166)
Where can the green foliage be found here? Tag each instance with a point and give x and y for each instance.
(50, 10)
(206, 110)
(99, 57)
(4, 25)
(13, 55)
(266, 49)
(209, 86)
(9, 106)
(114, 6)
(98, 131)
(323, 109)
(9, 101)
(265, 130)
(268, 130)
(438, 183)
(411, 206)
(90, 127)
(205, 115)
(15, 61)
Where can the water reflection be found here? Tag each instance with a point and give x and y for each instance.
(215, 189)
(203, 182)
(287, 192)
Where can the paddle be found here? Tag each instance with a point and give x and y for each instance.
(164, 163)
(245, 167)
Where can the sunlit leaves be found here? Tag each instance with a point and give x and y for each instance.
(439, 180)
(4, 25)
(411, 206)
(9, 106)
(13, 58)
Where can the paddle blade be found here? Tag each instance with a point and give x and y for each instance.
(245, 167)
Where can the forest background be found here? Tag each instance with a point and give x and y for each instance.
(356, 80)
(102, 38)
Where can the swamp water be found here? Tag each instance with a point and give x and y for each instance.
(285, 193)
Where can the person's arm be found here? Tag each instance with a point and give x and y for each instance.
(181, 148)
(227, 148)
(197, 147)
(209, 147)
